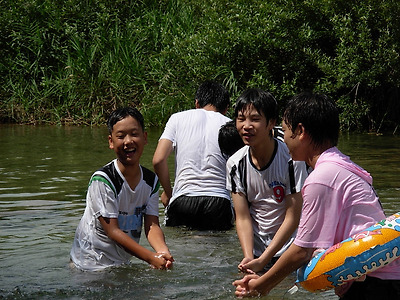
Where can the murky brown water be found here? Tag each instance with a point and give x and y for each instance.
(44, 174)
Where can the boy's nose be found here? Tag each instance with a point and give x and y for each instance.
(247, 124)
(128, 140)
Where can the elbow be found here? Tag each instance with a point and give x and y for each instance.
(305, 255)
(157, 162)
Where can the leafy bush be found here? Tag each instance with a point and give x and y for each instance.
(74, 61)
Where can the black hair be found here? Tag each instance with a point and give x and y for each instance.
(229, 139)
(318, 114)
(122, 113)
(211, 92)
(261, 100)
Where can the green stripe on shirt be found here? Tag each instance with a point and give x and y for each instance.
(102, 179)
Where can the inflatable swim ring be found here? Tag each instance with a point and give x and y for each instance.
(363, 253)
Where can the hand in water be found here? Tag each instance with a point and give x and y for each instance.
(245, 287)
(252, 266)
(162, 260)
(242, 266)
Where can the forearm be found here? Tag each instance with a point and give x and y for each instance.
(283, 234)
(156, 239)
(130, 245)
(160, 164)
(293, 203)
(162, 172)
(245, 234)
(290, 261)
(244, 226)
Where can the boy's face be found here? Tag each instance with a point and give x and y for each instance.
(128, 139)
(253, 126)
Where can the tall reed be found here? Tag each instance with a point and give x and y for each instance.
(74, 61)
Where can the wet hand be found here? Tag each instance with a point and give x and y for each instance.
(245, 287)
(253, 266)
(164, 199)
(168, 257)
(162, 260)
(243, 266)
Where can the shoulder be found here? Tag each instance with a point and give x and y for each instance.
(321, 175)
(109, 176)
(282, 149)
(277, 133)
(176, 117)
(184, 113)
(218, 116)
(238, 156)
(150, 178)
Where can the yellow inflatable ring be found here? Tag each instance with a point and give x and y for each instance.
(363, 253)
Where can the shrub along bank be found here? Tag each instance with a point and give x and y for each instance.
(74, 61)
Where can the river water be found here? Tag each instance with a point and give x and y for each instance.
(44, 174)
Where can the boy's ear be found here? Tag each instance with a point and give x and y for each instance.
(110, 142)
(196, 104)
(271, 123)
(300, 130)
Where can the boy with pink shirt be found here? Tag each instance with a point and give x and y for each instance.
(338, 201)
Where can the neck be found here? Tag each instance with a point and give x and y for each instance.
(209, 107)
(261, 156)
(132, 174)
(128, 171)
(315, 153)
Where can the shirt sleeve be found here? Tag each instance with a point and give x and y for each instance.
(300, 174)
(103, 200)
(152, 204)
(169, 132)
(233, 183)
(319, 217)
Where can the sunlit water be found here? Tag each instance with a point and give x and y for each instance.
(44, 175)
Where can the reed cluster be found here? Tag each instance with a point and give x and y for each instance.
(74, 61)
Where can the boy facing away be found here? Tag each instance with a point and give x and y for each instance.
(199, 198)
(121, 196)
(264, 185)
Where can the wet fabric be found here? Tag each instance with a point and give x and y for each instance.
(201, 213)
(372, 289)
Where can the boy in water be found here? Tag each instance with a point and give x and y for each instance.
(339, 202)
(264, 185)
(121, 195)
(199, 198)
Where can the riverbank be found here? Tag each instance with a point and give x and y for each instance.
(73, 62)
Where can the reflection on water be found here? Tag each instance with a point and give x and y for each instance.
(44, 174)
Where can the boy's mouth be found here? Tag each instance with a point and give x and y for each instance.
(247, 135)
(130, 151)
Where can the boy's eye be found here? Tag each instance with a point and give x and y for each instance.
(134, 134)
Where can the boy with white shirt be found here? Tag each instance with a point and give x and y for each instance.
(122, 198)
(199, 198)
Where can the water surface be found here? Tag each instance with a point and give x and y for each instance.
(44, 174)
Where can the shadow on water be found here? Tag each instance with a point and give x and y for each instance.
(45, 171)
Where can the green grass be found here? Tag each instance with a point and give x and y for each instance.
(74, 61)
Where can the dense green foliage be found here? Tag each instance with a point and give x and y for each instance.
(73, 61)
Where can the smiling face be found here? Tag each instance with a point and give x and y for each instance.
(128, 139)
(253, 127)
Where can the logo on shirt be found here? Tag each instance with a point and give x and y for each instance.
(279, 191)
(132, 223)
